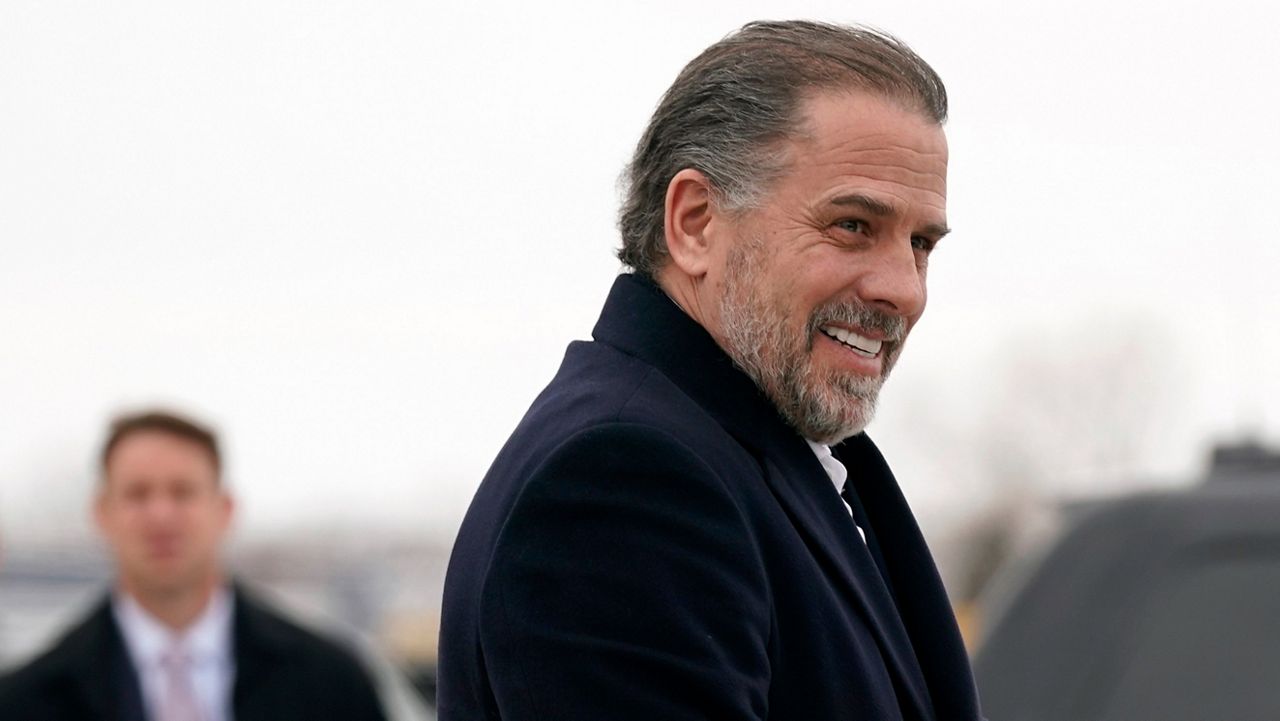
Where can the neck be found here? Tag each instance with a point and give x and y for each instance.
(683, 290)
(176, 608)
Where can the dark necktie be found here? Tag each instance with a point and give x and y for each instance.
(850, 496)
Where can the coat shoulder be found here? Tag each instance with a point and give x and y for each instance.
(286, 666)
(261, 628)
(45, 683)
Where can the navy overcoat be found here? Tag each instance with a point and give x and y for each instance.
(655, 543)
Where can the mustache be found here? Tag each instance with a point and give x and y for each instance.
(858, 315)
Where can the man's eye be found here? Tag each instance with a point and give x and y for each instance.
(920, 242)
(853, 226)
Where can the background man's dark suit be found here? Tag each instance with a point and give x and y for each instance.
(282, 673)
(654, 542)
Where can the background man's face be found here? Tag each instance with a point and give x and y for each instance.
(823, 281)
(163, 512)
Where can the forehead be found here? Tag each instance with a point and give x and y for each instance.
(853, 141)
(158, 454)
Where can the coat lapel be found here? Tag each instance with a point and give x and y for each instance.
(640, 320)
(922, 599)
(259, 652)
(819, 516)
(102, 677)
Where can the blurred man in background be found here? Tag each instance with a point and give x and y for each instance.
(689, 522)
(175, 640)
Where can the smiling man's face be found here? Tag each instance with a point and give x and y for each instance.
(823, 281)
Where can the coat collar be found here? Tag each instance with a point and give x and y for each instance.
(100, 678)
(262, 643)
(147, 638)
(922, 599)
(100, 681)
(640, 320)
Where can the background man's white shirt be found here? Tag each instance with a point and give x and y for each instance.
(207, 641)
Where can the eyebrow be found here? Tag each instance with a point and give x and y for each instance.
(881, 209)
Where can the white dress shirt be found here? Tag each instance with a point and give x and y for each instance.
(207, 641)
(838, 475)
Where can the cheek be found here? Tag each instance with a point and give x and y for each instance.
(811, 292)
(210, 525)
(126, 523)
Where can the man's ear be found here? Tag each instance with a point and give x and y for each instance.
(228, 508)
(690, 209)
(99, 509)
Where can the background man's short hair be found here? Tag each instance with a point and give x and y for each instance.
(163, 422)
(730, 109)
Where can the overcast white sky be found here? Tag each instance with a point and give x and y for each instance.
(357, 236)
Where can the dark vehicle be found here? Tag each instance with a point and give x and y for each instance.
(1161, 606)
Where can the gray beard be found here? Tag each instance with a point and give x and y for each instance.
(825, 407)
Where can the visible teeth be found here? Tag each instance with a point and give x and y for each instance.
(864, 346)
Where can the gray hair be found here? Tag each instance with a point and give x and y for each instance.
(730, 109)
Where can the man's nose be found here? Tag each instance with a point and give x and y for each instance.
(161, 506)
(894, 282)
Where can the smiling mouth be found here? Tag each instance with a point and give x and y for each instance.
(865, 347)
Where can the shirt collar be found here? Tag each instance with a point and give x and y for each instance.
(208, 638)
(832, 465)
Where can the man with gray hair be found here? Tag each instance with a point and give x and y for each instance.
(689, 523)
